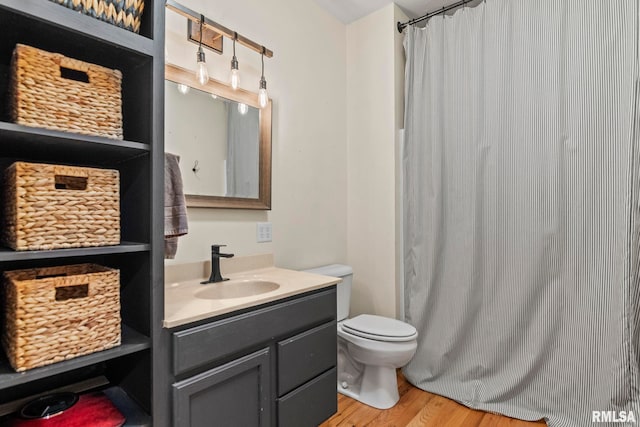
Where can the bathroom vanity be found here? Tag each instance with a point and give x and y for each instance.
(256, 360)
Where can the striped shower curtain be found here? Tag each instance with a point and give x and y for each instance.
(521, 208)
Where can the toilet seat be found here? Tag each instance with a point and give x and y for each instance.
(379, 328)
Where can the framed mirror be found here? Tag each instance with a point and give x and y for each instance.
(223, 139)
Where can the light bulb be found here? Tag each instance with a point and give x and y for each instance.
(214, 96)
(202, 74)
(243, 108)
(235, 78)
(183, 89)
(263, 97)
(235, 73)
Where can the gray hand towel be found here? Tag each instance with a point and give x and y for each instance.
(175, 206)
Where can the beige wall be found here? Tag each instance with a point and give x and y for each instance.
(307, 82)
(373, 97)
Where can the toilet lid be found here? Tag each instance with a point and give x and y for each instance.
(379, 328)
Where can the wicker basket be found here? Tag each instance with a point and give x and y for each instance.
(49, 90)
(122, 13)
(58, 313)
(52, 207)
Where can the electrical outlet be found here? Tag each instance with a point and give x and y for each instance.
(263, 232)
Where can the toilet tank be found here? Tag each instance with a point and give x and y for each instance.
(343, 289)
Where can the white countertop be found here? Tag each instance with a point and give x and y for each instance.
(181, 306)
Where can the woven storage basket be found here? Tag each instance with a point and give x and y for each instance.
(58, 313)
(49, 90)
(52, 207)
(121, 13)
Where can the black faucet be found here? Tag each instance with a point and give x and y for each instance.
(215, 264)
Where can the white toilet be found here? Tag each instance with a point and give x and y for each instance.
(370, 348)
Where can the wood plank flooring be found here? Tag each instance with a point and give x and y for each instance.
(417, 408)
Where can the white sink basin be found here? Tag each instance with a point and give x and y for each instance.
(236, 289)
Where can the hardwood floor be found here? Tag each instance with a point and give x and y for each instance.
(417, 408)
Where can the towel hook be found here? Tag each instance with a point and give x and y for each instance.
(195, 168)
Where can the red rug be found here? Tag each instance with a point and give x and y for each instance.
(91, 410)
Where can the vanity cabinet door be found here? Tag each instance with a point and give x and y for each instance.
(231, 395)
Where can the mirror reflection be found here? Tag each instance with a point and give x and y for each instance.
(217, 139)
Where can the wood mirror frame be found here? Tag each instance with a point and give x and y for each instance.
(263, 202)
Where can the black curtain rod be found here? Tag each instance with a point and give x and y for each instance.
(402, 25)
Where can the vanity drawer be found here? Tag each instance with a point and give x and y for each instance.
(310, 404)
(305, 356)
(204, 344)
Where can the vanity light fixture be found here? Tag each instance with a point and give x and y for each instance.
(263, 97)
(235, 73)
(202, 74)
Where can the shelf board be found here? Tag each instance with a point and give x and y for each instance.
(132, 342)
(53, 14)
(19, 141)
(7, 254)
(124, 247)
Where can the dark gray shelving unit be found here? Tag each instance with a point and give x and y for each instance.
(133, 369)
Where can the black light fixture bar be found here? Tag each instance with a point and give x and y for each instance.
(195, 17)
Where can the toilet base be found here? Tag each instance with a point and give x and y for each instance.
(379, 387)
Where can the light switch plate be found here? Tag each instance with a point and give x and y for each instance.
(263, 232)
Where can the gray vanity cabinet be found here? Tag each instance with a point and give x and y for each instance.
(271, 365)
